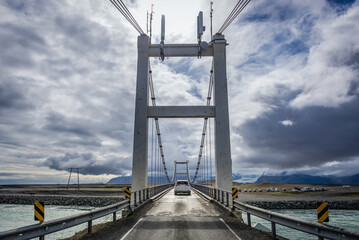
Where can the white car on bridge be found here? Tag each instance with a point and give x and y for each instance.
(182, 186)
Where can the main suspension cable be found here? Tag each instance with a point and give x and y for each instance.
(234, 14)
(121, 7)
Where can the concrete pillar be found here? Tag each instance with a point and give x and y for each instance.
(140, 145)
(223, 161)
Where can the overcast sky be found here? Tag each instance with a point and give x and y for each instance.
(67, 85)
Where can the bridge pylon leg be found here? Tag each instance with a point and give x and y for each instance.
(140, 144)
(223, 161)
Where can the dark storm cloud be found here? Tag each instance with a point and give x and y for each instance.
(318, 135)
(11, 97)
(88, 163)
(16, 42)
(59, 123)
(85, 36)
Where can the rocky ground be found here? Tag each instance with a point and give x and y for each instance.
(98, 195)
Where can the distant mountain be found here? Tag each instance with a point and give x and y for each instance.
(128, 180)
(309, 179)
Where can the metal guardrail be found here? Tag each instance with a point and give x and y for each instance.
(141, 196)
(314, 228)
(221, 196)
(44, 228)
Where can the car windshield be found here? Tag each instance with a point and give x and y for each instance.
(182, 182)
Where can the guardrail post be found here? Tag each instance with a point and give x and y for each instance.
(222, 200)
(249, 219)
(42, 237)
(227, 196)
(320, 238)
(144, 195)
(135, 199)
(114, 216)
(274, 233)
(89, 226)
(147, 194)
(139, 197)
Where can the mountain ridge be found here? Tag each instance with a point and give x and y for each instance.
(309, 179)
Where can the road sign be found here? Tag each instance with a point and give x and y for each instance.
(234, 193)
(39, 208)
(323, 212)
(127, 192)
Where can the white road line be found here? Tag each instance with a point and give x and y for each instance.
(124, 236)
(230, 229)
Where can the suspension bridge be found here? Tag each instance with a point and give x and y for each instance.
(204, 215)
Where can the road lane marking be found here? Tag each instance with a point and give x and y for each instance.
(124, 236)
(230, 229)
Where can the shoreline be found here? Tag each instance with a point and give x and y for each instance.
(61, 200)
(306, 204)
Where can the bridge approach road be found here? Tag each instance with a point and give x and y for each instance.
(182, 217)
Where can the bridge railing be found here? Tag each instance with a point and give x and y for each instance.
(314, 228)
(44, 228)
(141, 196)
(41, 229)
(221, 196)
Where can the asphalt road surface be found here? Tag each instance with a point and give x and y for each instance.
(181, 217)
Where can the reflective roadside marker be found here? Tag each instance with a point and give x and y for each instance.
(127, 192)
(234, 193)
(323, 212)
(39, 208)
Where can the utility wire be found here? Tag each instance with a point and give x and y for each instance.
(234, 14)
(121, 7)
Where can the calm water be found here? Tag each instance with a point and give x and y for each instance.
(340, 218)
(14, 216)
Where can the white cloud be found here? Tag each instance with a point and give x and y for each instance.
(287, 123)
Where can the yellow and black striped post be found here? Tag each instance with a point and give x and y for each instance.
(323, 212)
(234, 193)
(127, 192)
(39, 208)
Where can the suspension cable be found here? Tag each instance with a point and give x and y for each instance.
(210, 152)
(204, 129)
(233, 15)
(207, 159)
(121, 7)
(155, 149)
(152, 136)
(159, 139)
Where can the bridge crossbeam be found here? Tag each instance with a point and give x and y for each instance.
(181, 111)
(179, 50)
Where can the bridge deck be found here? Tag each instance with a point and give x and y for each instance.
(188, 217)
